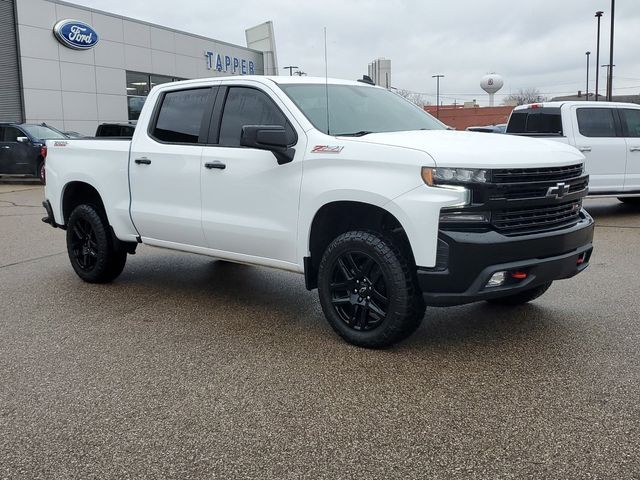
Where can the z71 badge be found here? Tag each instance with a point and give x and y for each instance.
(327, 149)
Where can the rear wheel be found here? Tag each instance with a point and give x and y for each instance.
(367, 290)
(635, 201)
(522, 297)
(41, 173)
(91, 248)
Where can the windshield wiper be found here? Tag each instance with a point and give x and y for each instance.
(361, 133)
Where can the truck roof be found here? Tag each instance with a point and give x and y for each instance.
(575, 102)
(282, 80)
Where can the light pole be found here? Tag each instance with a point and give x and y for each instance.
(611, 65)
(598, 16)
(290, 68)
(608, 79)
(587, 90)
(437, 77)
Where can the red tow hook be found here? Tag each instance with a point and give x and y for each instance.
(581, 258)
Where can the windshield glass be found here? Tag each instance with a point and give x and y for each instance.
(358, 110)
(41, 132)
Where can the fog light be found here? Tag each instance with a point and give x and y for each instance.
(497, 279)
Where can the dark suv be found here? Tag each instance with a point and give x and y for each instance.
(23, 149)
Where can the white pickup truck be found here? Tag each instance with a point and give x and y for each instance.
(607, 133)
(380, 207)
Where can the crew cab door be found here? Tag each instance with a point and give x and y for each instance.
(597, 134)
(631, 129)
(249, 201)
(164, 167)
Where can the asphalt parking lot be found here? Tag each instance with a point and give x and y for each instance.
(187, 367)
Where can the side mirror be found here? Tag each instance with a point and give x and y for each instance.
(268, 137)
(22, 139)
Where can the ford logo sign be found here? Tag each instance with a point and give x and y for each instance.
(75, 34)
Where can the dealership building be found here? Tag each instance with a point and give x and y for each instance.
(74, 67)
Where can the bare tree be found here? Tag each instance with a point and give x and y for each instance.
(413, 97)
(524, 96)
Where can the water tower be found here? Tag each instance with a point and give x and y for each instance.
(491, 83)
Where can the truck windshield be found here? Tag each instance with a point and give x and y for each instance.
(42, 132)
(358, 110)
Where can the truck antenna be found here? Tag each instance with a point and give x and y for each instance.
(326, 79)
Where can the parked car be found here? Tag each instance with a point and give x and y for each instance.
(23, 150)
(607, 133)
(499, 128)
(371, 199)
(122, 130)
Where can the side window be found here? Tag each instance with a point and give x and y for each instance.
(11, 134)
(631, 119)
(248, 106)
(596, 122)
(180, 116)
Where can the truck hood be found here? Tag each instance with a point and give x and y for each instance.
(450, 148)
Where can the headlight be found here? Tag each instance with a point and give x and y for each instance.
(454, 176)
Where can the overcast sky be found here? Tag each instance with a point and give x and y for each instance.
(539, 44)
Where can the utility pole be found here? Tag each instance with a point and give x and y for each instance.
(290, 68)
(608, 79)
(437, 77)
(611, 65)
(587, 90)
(598, 16)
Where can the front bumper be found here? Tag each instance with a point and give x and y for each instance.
(467, 260)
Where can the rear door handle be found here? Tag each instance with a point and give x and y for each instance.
(584, 148)
(143, 161)
(218, 165)
(6, 146)
(634, 149)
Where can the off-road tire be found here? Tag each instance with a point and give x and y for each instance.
(404, 308)
(91, 247)
(521, 297)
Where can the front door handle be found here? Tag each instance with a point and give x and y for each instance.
(634, 149)
(6, 146)
(218, 165)
(143, 161)
(584, 148)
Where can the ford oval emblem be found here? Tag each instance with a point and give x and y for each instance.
(75, 34)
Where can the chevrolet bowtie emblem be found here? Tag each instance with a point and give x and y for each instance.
(559, 191)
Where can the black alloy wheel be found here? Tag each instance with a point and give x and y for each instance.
(359, 291)
(367, 290)
(84, 246)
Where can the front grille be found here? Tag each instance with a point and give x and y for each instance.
(529, 175)
(535, 219)
(522, 192)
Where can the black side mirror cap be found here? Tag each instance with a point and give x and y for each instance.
(268, 137)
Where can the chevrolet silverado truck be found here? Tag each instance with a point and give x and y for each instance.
(375, 202)
(607, 133)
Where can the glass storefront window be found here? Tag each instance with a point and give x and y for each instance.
(138, 86)
(137, 83)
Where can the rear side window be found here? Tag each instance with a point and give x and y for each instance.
(109, 131)
(631, 119)
(540, 121)
(596, 122)
(248, 106)
(180, 116)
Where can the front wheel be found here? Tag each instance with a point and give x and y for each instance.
(522, 297)
(367, 290)
(91, 248)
